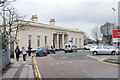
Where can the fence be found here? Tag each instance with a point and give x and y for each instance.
(4, 56)
(0, 55)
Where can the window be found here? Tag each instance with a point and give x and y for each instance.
(105, 47)
(69, 46)
(80, 42)
(45, 40)
(99, 47)
(38, 41)
(76, 42)
(29, 39)
(65, 46)
(72, 40)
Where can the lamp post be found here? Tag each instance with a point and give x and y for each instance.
(114, 25)
(114, 17)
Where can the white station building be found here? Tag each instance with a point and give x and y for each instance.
(40, 35)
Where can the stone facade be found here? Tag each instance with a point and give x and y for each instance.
(41, 35)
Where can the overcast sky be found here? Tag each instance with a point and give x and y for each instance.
(81, 14)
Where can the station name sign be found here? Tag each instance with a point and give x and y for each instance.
(61, 32)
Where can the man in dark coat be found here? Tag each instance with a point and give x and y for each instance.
(17, 51)
(29, 50)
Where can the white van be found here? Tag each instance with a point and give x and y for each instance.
(70, 48)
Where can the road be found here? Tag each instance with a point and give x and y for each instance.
(75, 65)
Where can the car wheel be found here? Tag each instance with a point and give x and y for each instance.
(113, 52)
(95, 53)
(76, 50)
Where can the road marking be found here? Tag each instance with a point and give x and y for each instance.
(102, 60)
(36, 70)
(94, 57)
(69, 62)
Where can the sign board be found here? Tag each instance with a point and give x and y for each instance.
(116, 35)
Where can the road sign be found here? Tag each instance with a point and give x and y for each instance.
(116, 35)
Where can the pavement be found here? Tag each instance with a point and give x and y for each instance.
(19, 69)
(112, 59)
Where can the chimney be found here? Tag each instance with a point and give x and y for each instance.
(52, 22)
(34, 18)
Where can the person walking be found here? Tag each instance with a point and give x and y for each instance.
(24, 53)
(17, 51)
(29, 50)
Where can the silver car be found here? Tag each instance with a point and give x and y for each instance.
(89, 46)
(103, 49)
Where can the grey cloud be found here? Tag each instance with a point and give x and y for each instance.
(72, 14)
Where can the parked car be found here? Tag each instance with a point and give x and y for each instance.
(117, 49)
(103, 49)
(50, 50)
(41, 52)
(89, 46)
(70, 48)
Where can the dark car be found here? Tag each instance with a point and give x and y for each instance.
(41, 52)
(50, 50)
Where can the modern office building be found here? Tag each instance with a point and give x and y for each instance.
(40, 35)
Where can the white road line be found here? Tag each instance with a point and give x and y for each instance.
(69, 62)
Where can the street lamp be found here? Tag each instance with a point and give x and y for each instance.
(114, 23)
(114, 16)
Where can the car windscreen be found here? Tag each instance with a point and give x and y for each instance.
(49, 48)
(106, 47)
(99, 47)
(41, 48)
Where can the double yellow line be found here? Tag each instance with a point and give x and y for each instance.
(37, 73)
(102, 60)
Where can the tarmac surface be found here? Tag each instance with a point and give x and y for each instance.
(75, 65)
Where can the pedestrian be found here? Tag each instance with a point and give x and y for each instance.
(24, 53)
(29, 50)
(17, 51)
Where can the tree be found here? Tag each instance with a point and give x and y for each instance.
(87, 40)
(13, 22)
(96, 34)
(106, 31)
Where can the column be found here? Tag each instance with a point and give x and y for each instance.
(62, 40)
(57, 41)
(52, 40)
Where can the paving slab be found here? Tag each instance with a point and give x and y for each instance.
(19, 69)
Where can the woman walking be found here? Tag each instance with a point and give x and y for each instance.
(24, 53)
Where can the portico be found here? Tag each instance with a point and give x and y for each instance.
(59, 39)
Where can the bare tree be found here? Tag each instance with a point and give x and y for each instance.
(106, 31)
(13, 24)
(14, 21)
(96, 34)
